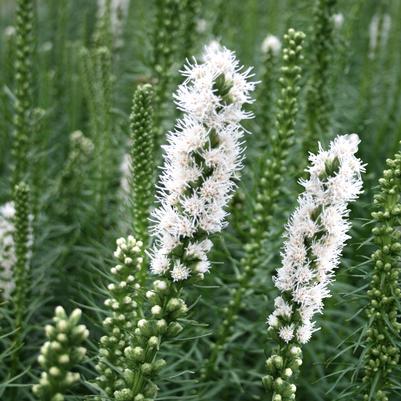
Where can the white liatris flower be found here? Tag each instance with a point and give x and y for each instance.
(202, 158)
(7, 247)
(315, 237)
(272, 44)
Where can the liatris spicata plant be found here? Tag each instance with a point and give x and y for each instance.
(382, 350)
(62, 352)
(316, 234)
(202, 158)
(122, 303)
(268, 187)
(318, 102)
(271, 47)
(142, 166)
(23, 89)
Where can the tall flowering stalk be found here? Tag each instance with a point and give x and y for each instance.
(273, 166)
(202, 158)
(316, 235)
(23, 89)
(382, 354)
(60, 354)
(318, 102)
(142, 166)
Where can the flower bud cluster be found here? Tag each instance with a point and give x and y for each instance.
(281, 368)
(142, 365)
(122, 304)
(60, 354)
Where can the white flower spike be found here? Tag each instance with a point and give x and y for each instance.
(316, 235)
(202, 158)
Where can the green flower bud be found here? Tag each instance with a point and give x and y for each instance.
(123, 395)
(159, 364)
(174, 328)
(146, 368)
(153, 342)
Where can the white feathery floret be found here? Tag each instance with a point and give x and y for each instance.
(315, 236)
(272, 44)
(287, 333)
(202, 157)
